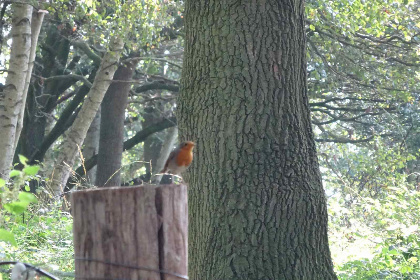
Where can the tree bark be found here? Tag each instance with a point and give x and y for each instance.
(34, 143)
(11, 98)
(2, 23)
(37, 19)
(153, 144)
(112, 128)
(257, 206)
(167, 147)
(74, 137)
(91, 145)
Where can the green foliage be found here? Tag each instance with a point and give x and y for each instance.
(98, 21)
(395, 258)
(7, 236)
(363, 60)
(365, 170)
(39, 232)
(13, 200)
(373, 210)
(42, 237)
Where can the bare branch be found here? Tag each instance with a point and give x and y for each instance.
(346, 98)
(66, 77)
(145, 100)
(351, 141)
(157, 85)
(87, 50)
(153, 58)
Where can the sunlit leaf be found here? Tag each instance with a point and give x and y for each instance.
(14, 173)
(7, 236)
(27, 197)
(23, 159)
(16, 207)
(31, 170)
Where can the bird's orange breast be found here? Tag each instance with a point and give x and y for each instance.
(184, 157)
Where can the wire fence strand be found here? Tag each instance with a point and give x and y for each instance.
(162, 271)
(144, 268)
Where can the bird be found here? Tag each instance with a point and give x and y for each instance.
(179, 159)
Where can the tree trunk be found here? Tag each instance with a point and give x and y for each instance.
(257, 206)
(40, 94)
(37, 19)
(153, 143)
(11, 98)
(167, 147)
(91, 146)
(112, 128)
(74, 137)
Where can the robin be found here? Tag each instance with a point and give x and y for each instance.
(179, 159)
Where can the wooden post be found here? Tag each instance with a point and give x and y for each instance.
(131, 232)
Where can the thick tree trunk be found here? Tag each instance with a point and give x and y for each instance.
(11, 98)
(257, 206)
(74, 137)
(112, 128)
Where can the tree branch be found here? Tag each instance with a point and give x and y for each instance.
(350, 141)
(336, 119)
(346, 98)
(153, 58)
(88, 51)
(145, 100)
(60, 126)
(368, 49)
(162, 85)
(74, 77)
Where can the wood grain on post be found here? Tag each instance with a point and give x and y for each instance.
(131, 232)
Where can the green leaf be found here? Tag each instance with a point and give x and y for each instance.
(27, 197)
(16, 207)
(23, 159)
(14, 173)
(393, 252)
(413, 259)
(312, 27)
(31, 170)
(7, 236)
(2, 182)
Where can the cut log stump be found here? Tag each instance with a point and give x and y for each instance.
(131, 232)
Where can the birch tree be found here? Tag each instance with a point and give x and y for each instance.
(74, 137)
(11, 99)
(37, 19)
